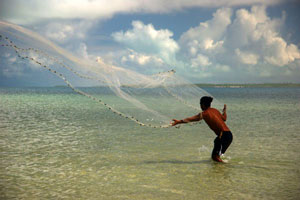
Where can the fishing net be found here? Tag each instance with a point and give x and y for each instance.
(148, 100)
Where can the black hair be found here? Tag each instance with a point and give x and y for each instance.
(206, 101)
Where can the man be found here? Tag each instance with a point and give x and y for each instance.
(216, 121)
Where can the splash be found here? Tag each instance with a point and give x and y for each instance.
(147, 100)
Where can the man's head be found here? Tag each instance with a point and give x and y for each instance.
(205, 102)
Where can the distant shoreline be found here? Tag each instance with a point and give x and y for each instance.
(232, 85)
(201, 85)
(249, 85)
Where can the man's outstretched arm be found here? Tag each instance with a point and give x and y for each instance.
(224, 115)
(195, 118)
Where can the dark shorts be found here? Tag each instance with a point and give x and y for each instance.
(221, 144)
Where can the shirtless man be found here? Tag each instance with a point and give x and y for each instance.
(216, 121)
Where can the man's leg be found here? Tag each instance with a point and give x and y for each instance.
(225, 141)
(215, 155)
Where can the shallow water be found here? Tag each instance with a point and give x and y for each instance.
(59, 145)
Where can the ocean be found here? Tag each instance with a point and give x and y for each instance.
(56, 144)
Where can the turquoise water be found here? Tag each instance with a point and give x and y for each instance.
(59, 145)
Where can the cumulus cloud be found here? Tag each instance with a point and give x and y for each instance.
(254, 31)
(141, 59)
(206, 40)
(66, 30)
(200, 61)
(149, 41)
(59, 32)
(31, 11)
(279, 52)
(201, 46)
(248, 41)
(209, 34)
(246, 58)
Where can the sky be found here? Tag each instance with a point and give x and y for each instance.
(216, 41)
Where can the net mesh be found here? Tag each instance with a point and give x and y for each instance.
(148, 100)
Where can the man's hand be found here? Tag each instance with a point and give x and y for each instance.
(224, 109)
(175, 122)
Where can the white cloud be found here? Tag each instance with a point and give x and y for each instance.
(202, 43)
(149, 41)
(141, 59)
(200, 60)
(222, 68)
(255, 31)
(59, 32)
(245, 44)
(250, 43)
(66, 30)
(210, 44)
(246, 57)
(279, 53)
(207, 32)
(30, 11)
